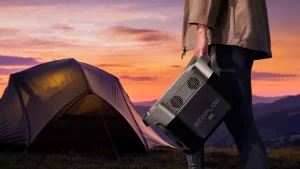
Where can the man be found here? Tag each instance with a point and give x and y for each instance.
(234, 33)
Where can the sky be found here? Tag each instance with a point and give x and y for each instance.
(139, 41)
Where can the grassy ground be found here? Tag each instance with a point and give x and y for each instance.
(284, 158)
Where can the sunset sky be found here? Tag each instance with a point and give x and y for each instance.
(139, 41)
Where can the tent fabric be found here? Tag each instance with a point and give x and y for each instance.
(14, 127)
(50, 92)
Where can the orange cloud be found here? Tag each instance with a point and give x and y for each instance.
(139, 78)
(9, 31)
(3, 80)
(175, 66)
(113, 65)
(62, 27)
(138, 34)
(25, 43)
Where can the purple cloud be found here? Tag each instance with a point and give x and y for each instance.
(139, 78)
(270, 76)
(17, 61)
(152, 3)
(4, 71)
(278, 15)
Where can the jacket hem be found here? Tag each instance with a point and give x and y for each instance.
(250, 44)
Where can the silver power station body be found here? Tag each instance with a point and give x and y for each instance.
(193, 106)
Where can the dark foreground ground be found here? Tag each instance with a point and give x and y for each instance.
(284, 158)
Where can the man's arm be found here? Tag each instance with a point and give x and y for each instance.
(204, 12)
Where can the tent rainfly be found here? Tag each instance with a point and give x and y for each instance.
(66, 103)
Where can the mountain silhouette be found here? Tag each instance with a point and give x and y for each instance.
(255, 100)
(260, 109)
(283, 104)
(261, 99)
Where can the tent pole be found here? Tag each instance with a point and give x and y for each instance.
(20, 98)
(109, 135)
(122, 89)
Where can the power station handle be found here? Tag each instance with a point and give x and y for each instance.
(203, 58)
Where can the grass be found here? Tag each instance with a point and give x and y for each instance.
(284, 158)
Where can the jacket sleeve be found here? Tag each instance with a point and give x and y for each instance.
(204, 12)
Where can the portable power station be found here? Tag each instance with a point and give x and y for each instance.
(193, 106)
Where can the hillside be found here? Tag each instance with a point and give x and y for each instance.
(286, 120)
(285, 141)
(274, 120)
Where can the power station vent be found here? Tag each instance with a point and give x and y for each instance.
(193, 83)
(176, 102)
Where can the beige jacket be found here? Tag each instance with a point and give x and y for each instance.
(242, 23)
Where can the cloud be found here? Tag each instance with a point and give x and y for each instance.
(113, 65)
(277, 10)
(138, 34)
(41, 43)
(3, 81)
(17, 61)
(62, 27)
(81, 12)
(4, 78)
(175, 66)
(138, 78)
(4, 71)
(45, 2)
(152, 3)
(34, 2)
(27, 43)
(8, 31)
(141, 69)
(270, 76)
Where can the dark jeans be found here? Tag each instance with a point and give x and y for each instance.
(233, 65)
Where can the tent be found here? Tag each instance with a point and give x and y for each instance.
(66, 103)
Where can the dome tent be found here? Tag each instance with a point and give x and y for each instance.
(66, 103)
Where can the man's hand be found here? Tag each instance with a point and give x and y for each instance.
(201, 46)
